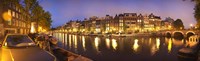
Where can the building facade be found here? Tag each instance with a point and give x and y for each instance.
(123, 23)
(167, 24)
(14, 18)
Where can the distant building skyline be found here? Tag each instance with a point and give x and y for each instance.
(121, 23)
(65, 10)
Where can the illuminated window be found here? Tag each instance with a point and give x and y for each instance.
(9, 13)
(120, 20)
(120, 24)
(19, 10)
(16, 15)
(13, 14)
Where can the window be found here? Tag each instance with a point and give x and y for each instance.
(8, 20)
(16, 15)
(16, 22)
(120, 20)
(120, 24)
(13, 14)
(9, 12)
(19, 10)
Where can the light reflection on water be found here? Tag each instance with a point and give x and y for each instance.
(117, 48)
(169, 45)
(135, 45)
(114, 44)
(75, 42)
(66, 37)
(70, 43)
(83, 42)
(155, 47)
(96, 43)
(157, 43)
(108, 43)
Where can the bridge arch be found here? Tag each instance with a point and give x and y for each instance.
(189, 33)
(178, 34)
(168, 34)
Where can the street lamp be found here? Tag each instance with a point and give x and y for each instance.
(7, 16)
(191, 26)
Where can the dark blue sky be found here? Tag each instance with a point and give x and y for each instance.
(64, 10)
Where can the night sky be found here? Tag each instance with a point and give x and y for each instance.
(65, 10)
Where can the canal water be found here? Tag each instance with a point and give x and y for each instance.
(122, 48)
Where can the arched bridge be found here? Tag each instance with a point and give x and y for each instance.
(179, 33)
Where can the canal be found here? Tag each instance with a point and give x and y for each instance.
(122, 48)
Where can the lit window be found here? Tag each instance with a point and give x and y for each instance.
(9, 14)
(16, 15)
(121, 24)
(120, 20)
(13, 14)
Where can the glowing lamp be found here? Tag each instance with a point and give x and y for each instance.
(7, 16)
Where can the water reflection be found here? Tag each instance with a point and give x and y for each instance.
(63, 38)
(75, 42)
(157, 43)
(145, 47)
(135, 45)
(96, 43)
(169, 45)
(153, 50)
(66, 39)
(108, 43)
(150, 41)
(177, 43)
(70, 43)
(114, 44)
(83, 42)
(155, 47)
(60, 36)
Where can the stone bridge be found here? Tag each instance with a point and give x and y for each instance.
(179, 33)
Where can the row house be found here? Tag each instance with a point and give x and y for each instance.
(14, 19)
(151, 23)
(107, 23)
(73, 26)
(120, 23)
(97, 24)
(167, 24)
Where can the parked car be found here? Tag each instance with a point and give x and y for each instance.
(18, 47)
